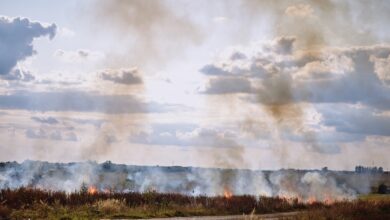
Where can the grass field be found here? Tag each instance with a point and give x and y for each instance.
(25, 203)
(375, 197)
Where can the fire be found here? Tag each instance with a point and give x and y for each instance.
(227, 193)
(311, 200)
(92, 190)
(328, 200)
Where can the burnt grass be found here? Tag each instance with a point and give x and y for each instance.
(33, 203)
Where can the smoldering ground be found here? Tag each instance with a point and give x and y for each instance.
(304, 185)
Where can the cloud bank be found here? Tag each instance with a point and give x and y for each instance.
(16, 38)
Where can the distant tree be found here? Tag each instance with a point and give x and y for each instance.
(382, 189)
(324, 169)
(107, 165)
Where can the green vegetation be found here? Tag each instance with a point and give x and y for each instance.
(375, 197)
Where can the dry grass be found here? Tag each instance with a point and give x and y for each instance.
(110, 206)
(41, 204)
(350, 210)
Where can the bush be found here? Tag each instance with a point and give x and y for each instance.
(382, 189)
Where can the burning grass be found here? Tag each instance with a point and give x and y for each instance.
(31, 203)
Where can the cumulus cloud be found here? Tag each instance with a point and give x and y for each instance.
(382, 68)
(17, 35)
(122, 76)
(282, 79)
(279, 74)
(18, 75)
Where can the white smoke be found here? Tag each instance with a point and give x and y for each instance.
(304, 185)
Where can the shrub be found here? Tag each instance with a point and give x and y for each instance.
(382, 189)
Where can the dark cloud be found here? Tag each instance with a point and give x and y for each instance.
(48, 120)
(79, 101)
(122, 76)
(283, 45)
(16, 37)
(19, 75)
(356, 120)
(213, 70)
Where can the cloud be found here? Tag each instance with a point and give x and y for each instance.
(48, 120)
(78, 101)
(50, 135)
(282, 45)
(283, 80)
(122, 76)
(354, 119)
(185, 135)
(18, 75)
(17, 35)
(79, 56)
(382, 68)
(278, 73)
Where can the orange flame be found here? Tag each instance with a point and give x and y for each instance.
(329, 200)
(227, 193)
(311, 200)
(92, 190)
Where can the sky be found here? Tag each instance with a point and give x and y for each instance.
(238, 83)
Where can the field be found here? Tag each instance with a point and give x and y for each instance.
(31, 203)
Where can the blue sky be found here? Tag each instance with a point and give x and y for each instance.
(240, 84)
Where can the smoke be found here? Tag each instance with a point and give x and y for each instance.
(305, 185)
(315, 25)
(147, 32)
(151, 30)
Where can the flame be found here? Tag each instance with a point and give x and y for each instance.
(92, 190)
(311, 200)
(328, 200)
(227, 193)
